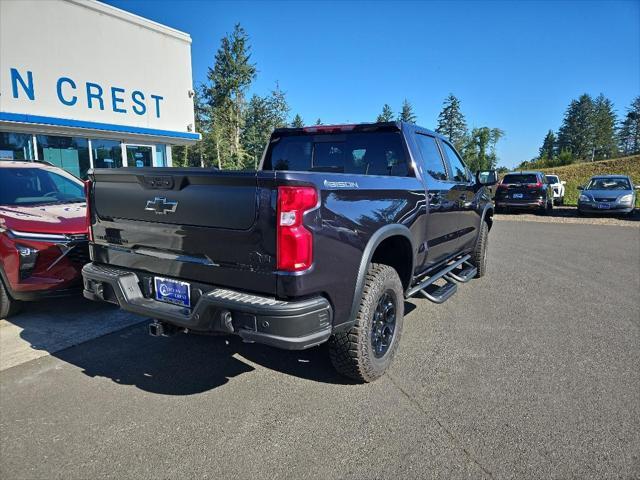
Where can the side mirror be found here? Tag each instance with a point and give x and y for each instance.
(580, 187)
(563, 182)
(486, 177)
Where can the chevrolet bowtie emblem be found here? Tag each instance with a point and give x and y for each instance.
(161, 206)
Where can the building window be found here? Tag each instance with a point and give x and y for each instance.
(161, 156)
(106, 153)
(16, 146)
(69, 153)
(139, 155)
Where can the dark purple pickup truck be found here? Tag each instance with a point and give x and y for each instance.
(323, 243)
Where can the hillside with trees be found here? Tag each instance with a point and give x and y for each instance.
(590, 131)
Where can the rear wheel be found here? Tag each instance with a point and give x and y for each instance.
(365, 351)
(479, 255)
(8, 306)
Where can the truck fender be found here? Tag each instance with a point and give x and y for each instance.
(376, 239)
(488, 207)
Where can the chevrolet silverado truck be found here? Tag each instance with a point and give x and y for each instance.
(321, 244)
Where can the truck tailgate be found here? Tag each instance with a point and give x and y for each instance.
(201, 225)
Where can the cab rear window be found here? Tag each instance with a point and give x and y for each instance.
(363, 153)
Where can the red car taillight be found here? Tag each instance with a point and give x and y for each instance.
(87, 194)
(534, 185)
(294, 241)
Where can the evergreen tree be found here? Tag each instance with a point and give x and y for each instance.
(262, 116)
(564, 158)
(386, 115)
(629, 135)
(229, 79)
(548, 149)
(318, 122)
(297, 121)
(195, 155)
(407, 114)
(256, 129)
(577, 133)
(604, 129)
(451, 122)
(278, 108)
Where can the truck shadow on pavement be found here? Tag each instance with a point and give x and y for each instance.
(190, 364)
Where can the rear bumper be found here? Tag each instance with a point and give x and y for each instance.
(519, 204)
(291, 325)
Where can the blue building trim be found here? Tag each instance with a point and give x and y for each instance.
(63, 122)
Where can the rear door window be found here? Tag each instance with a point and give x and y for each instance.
(458, 169)
(363, 153)
(431, 157)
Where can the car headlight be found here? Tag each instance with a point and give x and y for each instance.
(584, 198)
(28, 257)
(626, 199)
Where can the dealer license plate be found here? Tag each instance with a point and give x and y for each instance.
(172, 291)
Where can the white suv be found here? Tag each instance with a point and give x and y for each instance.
(558, 188)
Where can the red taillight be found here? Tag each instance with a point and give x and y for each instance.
(534, 185)
(87, 195)
(295, 242)
(501, 186)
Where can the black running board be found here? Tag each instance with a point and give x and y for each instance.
(463, 276)
(440, 294)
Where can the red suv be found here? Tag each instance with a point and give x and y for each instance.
(43, 233)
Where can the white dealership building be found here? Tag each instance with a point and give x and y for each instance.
(84, 84)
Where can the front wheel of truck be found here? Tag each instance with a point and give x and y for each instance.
(364, 352)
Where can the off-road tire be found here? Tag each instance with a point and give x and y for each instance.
(479, 254)
(8, 306)
(351, 352)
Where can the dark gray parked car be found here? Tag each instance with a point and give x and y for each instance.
(613, 194)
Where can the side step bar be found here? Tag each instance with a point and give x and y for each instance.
(440, 294)
(466, 274)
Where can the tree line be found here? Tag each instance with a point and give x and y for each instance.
(476, 146)
(590, 131)
(235, 129)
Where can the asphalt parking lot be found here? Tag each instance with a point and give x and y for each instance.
(530, 372)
